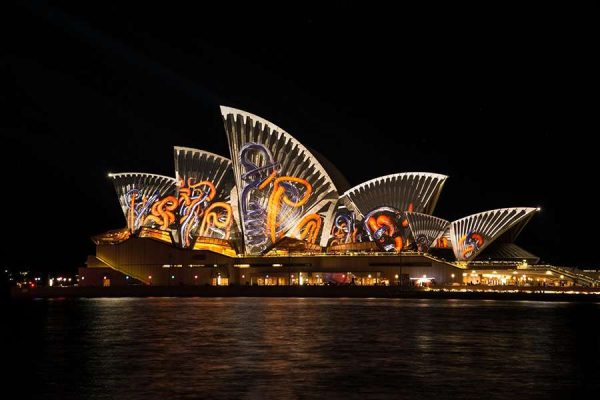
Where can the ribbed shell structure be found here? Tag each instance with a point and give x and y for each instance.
(399, 191)
(200, 165)
(279, 181)
(145, 186)
(204, 183)
(470, 235)
(426, 227)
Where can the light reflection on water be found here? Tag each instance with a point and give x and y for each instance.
(254, 348)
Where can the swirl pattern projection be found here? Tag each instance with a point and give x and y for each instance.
(381, 206)
(280, 182)
(472, 234)
(141, 195)
(388, 228)
(274, 187)
(205, 181)
(345, 229)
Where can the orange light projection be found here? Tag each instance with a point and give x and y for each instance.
(217, 215)
(308, 228)
(162, 212)
(278, 197)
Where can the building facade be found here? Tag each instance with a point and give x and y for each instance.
(277, 213)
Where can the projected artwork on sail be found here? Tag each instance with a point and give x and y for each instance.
(280, 183)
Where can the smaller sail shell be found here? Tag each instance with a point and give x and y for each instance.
(137, 193)
(409, 191)
(425, 229)
(470, 235)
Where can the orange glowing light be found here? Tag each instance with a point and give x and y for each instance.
(212, 218)
(278, 196)
(162, 212)
(308, 228)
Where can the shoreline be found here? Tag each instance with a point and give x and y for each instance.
(462, 293)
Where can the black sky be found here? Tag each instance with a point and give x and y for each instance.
(502, 101)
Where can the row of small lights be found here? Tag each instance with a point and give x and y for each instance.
(396, 276)
(474, 272)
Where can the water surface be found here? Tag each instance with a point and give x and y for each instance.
(253, 348)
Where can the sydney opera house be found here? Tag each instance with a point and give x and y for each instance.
(279, 213)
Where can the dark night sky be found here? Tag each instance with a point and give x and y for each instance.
(505, 106)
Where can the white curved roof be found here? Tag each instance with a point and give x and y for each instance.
(293, 159)
(201, 165)
(398, 191)
(147, 186)
(489, 225)
(426, 226)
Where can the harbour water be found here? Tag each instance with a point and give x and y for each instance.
(300, 348)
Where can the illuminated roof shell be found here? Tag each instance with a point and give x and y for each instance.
(292, 159)
(490, 225)
(147, 185)
(202, 165)
(422, 189)
(427, 226)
